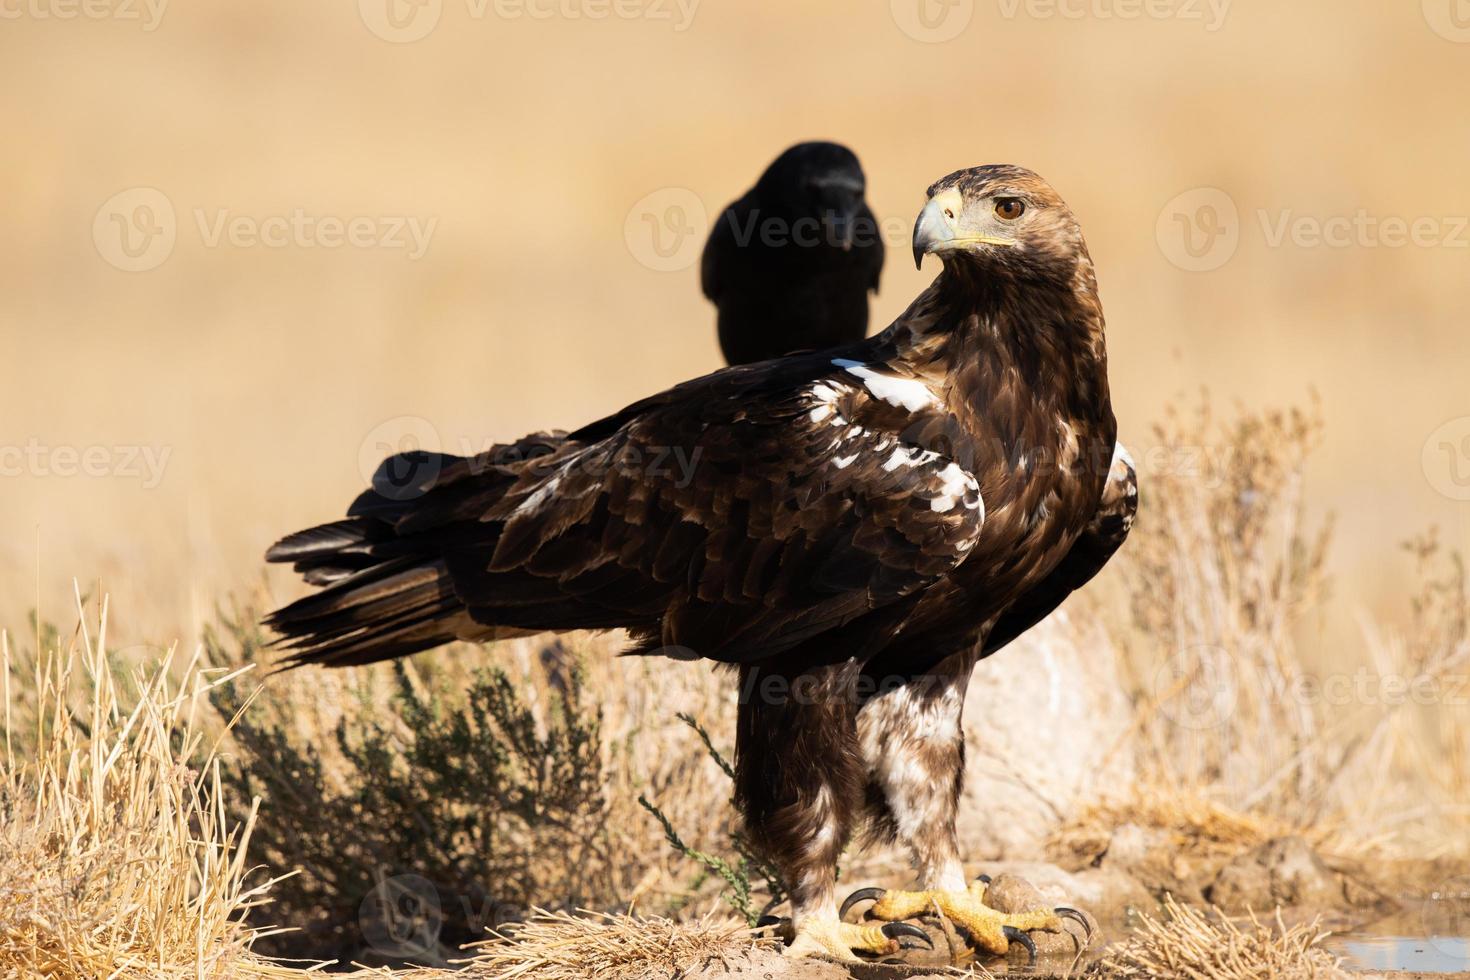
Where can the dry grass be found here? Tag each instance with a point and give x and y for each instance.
(1188, 944)
(116, 857)
(1418, 747)
(1203, 829)
(1223, 569)
(592, 946)
(1242, 731)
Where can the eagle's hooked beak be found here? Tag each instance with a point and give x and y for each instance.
(938, 228)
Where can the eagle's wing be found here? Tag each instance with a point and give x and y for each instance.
(1097, 543)
(734, 519)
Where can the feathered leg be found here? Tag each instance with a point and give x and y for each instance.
(913, 750)
(799, 783)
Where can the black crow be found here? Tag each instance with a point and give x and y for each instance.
(789, 265)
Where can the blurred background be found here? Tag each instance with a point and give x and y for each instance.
(251, 248)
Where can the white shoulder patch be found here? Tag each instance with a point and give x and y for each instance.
(903, 392)
(1121, 455)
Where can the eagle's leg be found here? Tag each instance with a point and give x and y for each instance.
(799, 784)
(913, 749)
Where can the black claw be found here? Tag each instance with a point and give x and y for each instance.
(1017, 936)
(861, 895)
(894, 930)
(983, 879)
(1067, 912)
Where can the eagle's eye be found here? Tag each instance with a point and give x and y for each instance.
(1009, 208)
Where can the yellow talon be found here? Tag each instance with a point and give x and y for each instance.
(986, 926)
(840, 940)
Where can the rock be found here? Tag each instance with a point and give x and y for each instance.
(1046, 723)
(1112, 893)
(1107, 893)
(1011, 893)
(1149, 857)
(1285, 871)
(1132, 846)
(1055, 885)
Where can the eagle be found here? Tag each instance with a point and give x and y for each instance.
(850, 531)
(789, 265)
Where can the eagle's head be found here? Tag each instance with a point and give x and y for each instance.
(1000, 221)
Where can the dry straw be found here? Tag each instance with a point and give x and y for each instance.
(595, 946)
(116, 858)
(1188, 944)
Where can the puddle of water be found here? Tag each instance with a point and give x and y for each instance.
(1432, 938)
(1433, 954)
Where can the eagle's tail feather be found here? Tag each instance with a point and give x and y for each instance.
(328, 553)
(388, 609)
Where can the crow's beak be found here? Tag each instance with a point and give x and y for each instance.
(842, 226)
(939, 228)
(847, 229)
